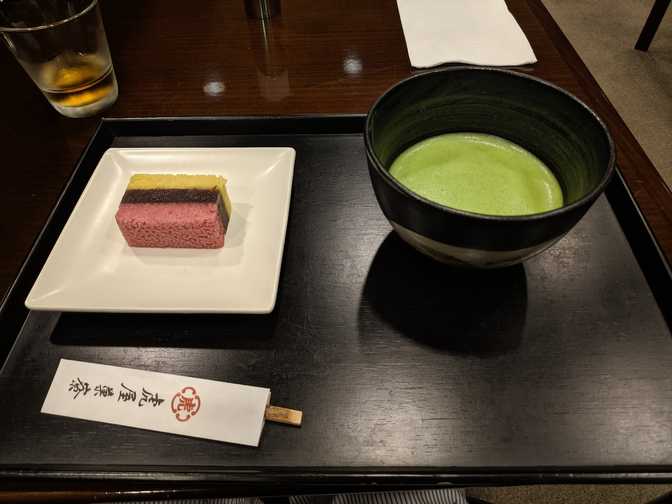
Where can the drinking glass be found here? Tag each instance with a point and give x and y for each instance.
(62, 46)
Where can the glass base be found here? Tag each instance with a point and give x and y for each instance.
(92, 104)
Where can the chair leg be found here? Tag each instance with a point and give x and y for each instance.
(652, 24)
(663, 499)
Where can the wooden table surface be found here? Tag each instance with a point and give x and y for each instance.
(335, 56)
(212, 61)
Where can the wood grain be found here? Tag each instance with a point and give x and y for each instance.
(409, 372)
(281, 415)
(212, 60)
(339, 57)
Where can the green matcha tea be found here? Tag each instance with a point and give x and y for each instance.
(478, 173)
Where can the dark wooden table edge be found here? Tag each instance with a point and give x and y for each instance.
(68, 487)
(277, 481)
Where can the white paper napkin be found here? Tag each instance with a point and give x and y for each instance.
(479, 32)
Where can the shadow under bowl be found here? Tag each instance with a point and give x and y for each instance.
(547, 121)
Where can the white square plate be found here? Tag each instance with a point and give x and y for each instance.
(91, 268)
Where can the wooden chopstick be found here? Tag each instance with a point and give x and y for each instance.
(283, 415)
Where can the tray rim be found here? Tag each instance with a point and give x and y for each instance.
(302, 479)
(646, 249)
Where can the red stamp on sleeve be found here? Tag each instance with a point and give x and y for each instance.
(185, 404)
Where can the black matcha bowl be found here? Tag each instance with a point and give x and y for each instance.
(546, 120)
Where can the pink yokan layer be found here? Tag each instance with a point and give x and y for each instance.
(171, 225)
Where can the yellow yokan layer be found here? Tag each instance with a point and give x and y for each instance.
(142, 181)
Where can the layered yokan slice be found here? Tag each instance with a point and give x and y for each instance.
(175, 211)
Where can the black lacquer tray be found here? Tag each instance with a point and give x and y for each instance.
(408, 372)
